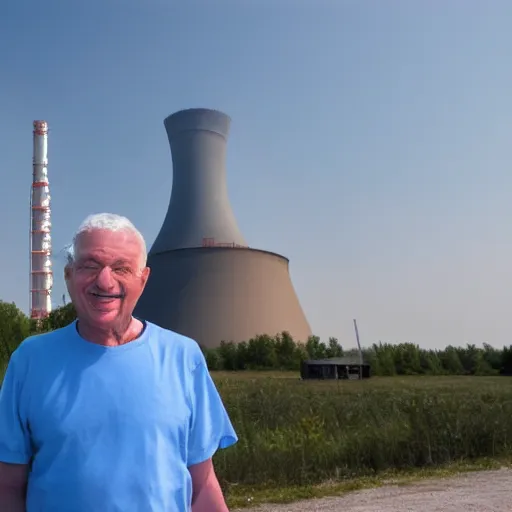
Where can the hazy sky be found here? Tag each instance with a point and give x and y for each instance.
(370, 143)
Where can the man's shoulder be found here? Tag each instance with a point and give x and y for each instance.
(42, 343)
(35, 352)
(182, 345)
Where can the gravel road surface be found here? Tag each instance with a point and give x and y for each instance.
(483, 491)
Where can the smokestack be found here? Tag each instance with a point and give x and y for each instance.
(41, 275)
(199, 212)
(204, 282)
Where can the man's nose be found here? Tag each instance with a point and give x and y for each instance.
(104, 279)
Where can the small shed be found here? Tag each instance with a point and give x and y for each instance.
(335, 368)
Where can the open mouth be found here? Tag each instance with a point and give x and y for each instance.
(107, 296)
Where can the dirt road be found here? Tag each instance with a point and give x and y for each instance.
(484, 491)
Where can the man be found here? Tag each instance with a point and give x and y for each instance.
(111, 413)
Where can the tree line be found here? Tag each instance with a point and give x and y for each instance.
(385, 359)
(281, 352)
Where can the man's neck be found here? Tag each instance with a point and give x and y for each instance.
(111, 337)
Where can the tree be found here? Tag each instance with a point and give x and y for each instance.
(228, 355)
(506, 361)
(482, 366)
(451, 361)
(14, 328)
(62, 316)
(213, 359)
(407, 359)
(261, 351)
(493, 356)
(430, 363)
(285, 349)
(385, 360)
(315, 348)
(334, 349)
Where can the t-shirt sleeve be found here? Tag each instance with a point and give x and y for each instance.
(15, 446)
(210, 425)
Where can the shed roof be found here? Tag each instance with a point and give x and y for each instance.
(347, 361)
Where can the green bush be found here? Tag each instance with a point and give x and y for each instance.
(296, 432)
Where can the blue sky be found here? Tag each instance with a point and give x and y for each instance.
(370, 144)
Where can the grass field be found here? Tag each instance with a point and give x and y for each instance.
(298, 435)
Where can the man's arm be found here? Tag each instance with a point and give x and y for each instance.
(206, 492)
(13, 487)
(210, 430)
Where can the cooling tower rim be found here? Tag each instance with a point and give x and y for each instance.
(201, 119)
(191, 110)
(221, 249)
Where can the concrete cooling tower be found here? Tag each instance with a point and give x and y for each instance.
(205, 282)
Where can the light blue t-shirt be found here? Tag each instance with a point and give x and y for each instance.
(110, 429)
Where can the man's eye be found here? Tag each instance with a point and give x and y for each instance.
(121, 270)
(87, 267)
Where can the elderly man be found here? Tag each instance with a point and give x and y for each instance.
(110, 413)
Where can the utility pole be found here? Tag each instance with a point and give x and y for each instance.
(360, 351)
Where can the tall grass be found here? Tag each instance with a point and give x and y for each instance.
(296, 432)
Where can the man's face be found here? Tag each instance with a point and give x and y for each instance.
(107, 278)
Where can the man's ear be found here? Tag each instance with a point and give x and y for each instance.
(67, 272)
(145, 275)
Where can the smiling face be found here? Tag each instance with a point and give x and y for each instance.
(106, 278)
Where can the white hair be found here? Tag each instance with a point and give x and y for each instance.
(110, 222)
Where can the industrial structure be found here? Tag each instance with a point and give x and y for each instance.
(205, 282)
(335, 368)
(41, 275)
